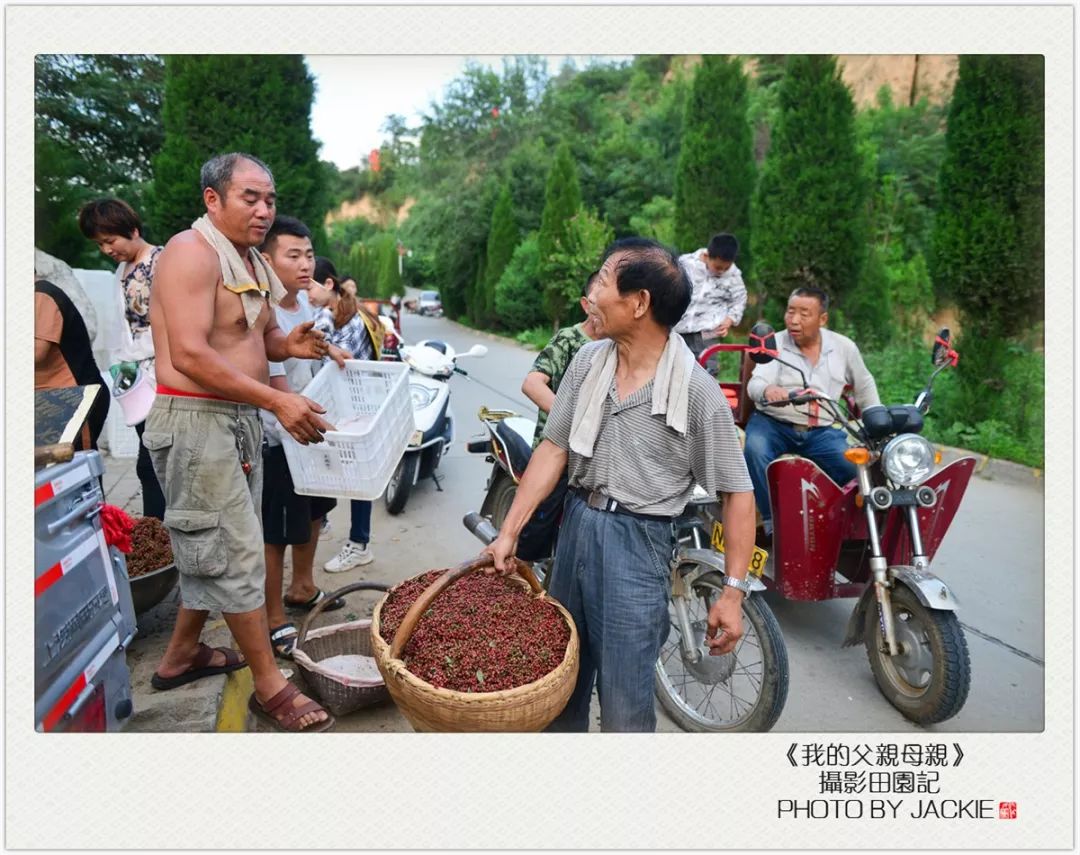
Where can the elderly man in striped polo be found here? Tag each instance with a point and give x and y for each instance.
(638, 422)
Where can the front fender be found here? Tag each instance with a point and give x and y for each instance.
(930, 590)
(707, 560)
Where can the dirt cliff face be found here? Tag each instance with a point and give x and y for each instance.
(910, 76)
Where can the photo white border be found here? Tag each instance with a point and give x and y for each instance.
(386, 791)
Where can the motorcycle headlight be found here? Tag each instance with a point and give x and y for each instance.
(421, 396)
(908, 459)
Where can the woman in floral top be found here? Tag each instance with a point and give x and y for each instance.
(117, 230)
(348, 326)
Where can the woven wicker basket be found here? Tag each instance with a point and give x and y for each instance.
(339, 693)
(527, 708)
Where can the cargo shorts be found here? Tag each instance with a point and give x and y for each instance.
(211, 506)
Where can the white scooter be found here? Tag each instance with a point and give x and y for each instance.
(431, 363)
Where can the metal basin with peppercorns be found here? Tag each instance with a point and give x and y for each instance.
(149, 589)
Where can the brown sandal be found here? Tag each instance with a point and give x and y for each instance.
(200, 667)
(288, 723)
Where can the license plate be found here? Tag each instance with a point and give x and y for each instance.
(757, 560)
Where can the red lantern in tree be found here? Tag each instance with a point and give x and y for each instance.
(495, 112)
(373, 160)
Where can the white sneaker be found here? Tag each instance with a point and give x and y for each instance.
(351, 555)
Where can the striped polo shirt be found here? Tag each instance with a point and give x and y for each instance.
(637, 459)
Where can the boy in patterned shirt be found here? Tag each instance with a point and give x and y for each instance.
(719, 297)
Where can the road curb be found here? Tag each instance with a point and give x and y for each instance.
(232, 709)
(993, 469)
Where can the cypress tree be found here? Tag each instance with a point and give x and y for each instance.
(987, 247)
(714, 179)
(562, 199)
(988, 234)
(259, 104)
(502, 240)
(809, 213)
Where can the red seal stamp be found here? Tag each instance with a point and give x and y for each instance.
(1006, 810)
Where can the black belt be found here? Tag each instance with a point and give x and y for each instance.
(599, 502)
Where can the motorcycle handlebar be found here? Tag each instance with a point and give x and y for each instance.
(461, 371)
(795, 398)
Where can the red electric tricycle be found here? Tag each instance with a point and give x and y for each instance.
(873, 538)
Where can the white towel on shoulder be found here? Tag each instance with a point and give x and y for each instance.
(235, 275)
(670, 396)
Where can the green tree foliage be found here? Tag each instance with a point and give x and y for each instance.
(519, 300)
(577, 253)
(988, 239)
(714, 180)
(259, 104)
(361, 264)
(97, 127)
(562, 199)
(502, 239)
(809, 211)
(384, 249)
(656, 220)
(342, 235)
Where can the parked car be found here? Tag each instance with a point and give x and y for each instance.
(430, 304)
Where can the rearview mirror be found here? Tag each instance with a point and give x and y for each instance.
(476, 350)
(762, 343)
(940, 354)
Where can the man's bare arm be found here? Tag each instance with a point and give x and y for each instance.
(537, 388)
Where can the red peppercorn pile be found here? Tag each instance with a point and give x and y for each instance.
(150, 547)
(482, 634)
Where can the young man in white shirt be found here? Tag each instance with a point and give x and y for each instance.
(289, 519)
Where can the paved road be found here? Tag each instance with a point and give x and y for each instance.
(996, 575)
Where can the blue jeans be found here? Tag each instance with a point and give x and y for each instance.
(768, 438)
(360, 529)
(611, 572)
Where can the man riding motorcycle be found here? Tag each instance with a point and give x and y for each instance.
(830, 362)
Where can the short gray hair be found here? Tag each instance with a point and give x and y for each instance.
(217, 172)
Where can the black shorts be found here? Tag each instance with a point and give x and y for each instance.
(286, 516)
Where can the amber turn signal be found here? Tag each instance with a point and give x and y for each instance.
(858, 456)
(937, 457)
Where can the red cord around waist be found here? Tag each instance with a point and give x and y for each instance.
(162, 389)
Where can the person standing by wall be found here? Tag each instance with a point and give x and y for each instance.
(117, 230)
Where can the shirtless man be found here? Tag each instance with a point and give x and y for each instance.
(204, 437)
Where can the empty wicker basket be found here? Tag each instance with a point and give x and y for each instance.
(531, 707)
(340, 693)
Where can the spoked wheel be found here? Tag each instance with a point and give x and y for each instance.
(929, 680)
(740, 691)
(401, 483)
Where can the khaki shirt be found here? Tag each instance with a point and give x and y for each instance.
(840, 364)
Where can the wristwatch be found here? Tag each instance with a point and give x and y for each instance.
(742, 584)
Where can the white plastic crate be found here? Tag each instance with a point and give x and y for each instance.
(370, 405)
